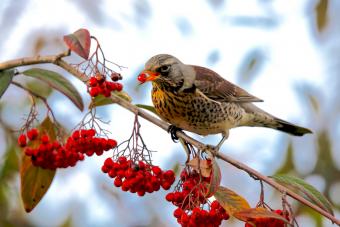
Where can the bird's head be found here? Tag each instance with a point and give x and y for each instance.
(164, 69)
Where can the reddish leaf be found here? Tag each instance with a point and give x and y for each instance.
(202, 166)
(35, 181)
(79, 42)
(231, 201)
(215, 178)
(248, 215)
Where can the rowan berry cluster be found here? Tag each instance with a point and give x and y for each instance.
(191, 198)
(137, 177)
(50, 154)
(99, 85)
(200, 217)
(269, 222)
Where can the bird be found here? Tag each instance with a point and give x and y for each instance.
(199, 100)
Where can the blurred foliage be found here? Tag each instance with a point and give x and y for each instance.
(250, 67)
(321, 10)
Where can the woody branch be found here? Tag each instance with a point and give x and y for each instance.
(57, 60)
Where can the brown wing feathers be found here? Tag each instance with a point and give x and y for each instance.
(217, 88)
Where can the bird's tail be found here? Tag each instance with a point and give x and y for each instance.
(258, 117)
(291, 128)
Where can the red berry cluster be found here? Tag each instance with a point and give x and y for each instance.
(99, 85)
(191, 196)
(85, 142)
(269, 222)
(193, 187)
(138, 178)
(199, 217)
(51, 154)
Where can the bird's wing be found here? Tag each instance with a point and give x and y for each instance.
(217, 88)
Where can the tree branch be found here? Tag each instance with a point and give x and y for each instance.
(57, 60)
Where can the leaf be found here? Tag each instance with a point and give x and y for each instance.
(306, 190)
(123, 95)
(230, 201)
(58, 82)
(249, 215)
(202, 166)
(5, 80)
(79, 42)
(147, 107)
(215, 179)
(35, 181)
(101, 100)
(10, 162)
(321, 14)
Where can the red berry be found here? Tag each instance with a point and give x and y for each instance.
(94, 91)
(112, 173)
(45, 139)
(166, 185)
(169, 174)
(32, 134)
(108, 163)
(122, 160)
(118, 182)
(142, 77)
(119, 86)
(169, 197)
(178, 212)
(156, 170)
(93, 82)
(22, 140)
(141, 193)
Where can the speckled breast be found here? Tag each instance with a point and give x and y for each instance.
(194, 112)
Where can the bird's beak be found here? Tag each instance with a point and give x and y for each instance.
(147, 75)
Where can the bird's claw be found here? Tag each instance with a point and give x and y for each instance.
(213, 149)
(173, 130)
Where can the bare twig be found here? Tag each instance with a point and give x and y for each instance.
(56, 59)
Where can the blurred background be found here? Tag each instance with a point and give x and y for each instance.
(283, 51)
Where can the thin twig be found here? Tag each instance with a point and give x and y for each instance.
(56, 59)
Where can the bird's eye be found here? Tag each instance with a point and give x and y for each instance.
(164, 68)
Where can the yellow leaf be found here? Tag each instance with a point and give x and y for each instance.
(231, 201)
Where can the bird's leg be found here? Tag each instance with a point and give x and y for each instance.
(216, 148)
(172, 130)
(225, 136)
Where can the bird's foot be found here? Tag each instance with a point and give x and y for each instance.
(173, 130)
(212, 149)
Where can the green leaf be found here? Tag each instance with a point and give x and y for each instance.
(306, 190)
(5, 80)
(147, 107)
(58, 82)
(10, 163)
(35, 181)
(249, 215)
(79, 42)
(230, 201)
(101, 100)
